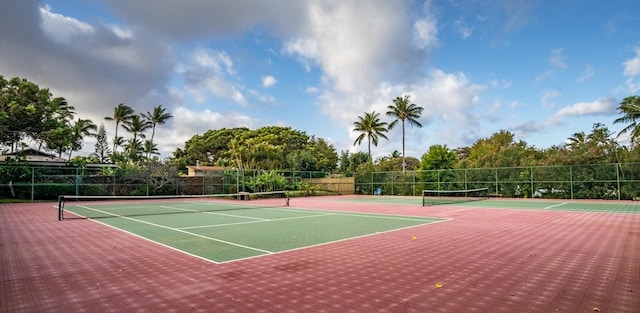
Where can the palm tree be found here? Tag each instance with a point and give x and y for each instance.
(63, 109)
(630, 108)
(150, 148)
(136, 126)
(133, 149)
(122, 113)
(158, 117)
(576, 140)
(81, 128)
(403, 110)
(370, 127)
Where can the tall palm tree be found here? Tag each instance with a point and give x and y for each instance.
(159, 116)
(403, 110)
(136, 126)
(371, 127)
(121, 114)
(630, 108)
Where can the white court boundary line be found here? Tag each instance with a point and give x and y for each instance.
(555, 205)
(253, 222)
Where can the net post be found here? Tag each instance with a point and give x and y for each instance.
(60, 207)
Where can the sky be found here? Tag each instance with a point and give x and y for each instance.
(542, 70)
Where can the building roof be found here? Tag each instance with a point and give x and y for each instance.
(31, 151)
(205, 168)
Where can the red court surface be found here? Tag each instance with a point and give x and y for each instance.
(483, 260)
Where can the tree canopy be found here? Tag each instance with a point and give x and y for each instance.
(271, 147)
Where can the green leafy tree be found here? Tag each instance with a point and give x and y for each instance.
(28, 111)
(371, 127)
(404, 111)
(500, 150)
(438, 157)
(59, 139)
(271, 147)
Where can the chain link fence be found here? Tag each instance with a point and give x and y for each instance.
(33, 183)
(617, 181)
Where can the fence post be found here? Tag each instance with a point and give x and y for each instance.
(413, 189)
(496, 170)
(77, 182)
(618, 179)
(571, 180)
(531, 179)
(33, 183)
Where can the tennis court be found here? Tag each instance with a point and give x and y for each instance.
(494, 255)
(222, 230)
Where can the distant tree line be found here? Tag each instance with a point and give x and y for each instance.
(271, 147)
(30, 115)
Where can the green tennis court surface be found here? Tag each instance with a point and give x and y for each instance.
(607, 206)
(599, 206)
(232, 232)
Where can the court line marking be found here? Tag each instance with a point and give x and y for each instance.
(253, 222)
(179, 230)
(555, 205)
(364, 214)
(216, 213)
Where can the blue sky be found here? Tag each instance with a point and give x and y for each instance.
(540, 69)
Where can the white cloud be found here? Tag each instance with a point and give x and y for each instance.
(589, 72)
(557, 58)
(268, 81)
(463, 29)
(355, 54)
(546, 75)
(306, 50)
(502, 83)
(61, 28)
(632, 85)
(263, 98)
(206, 73)
(601, 106)
(187, 122)
(547, 96)
(449, 101)
(632, 66)
(425, 29)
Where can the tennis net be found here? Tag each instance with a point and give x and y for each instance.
(120, 206)
(439, 197)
